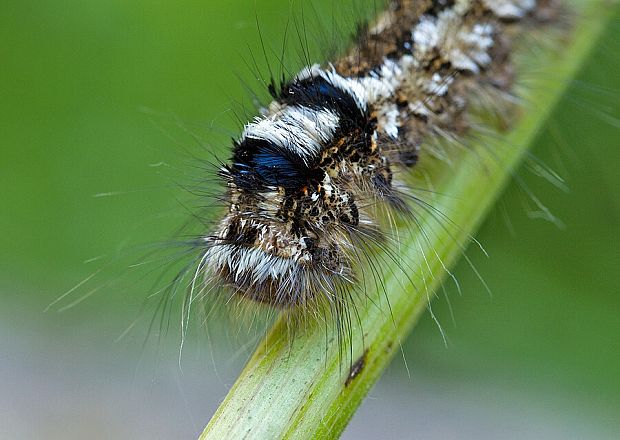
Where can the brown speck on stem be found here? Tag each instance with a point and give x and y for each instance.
(356, 368)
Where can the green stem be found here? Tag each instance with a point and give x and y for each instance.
(302, 388)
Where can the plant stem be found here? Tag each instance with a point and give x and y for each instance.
(302, 388)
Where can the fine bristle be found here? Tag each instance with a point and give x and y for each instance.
(309, 177)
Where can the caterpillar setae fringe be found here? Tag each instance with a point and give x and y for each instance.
(318, 183)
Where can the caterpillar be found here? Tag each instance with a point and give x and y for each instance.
(310, 178)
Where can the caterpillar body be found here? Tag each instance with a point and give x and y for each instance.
(310, 177)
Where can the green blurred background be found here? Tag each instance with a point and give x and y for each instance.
(115, 98)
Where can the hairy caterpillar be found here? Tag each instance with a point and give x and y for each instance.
(311, 178)
(315, 184)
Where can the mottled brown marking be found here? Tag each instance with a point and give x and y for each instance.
(356, 368)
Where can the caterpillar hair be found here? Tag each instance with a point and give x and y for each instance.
(311, 179)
